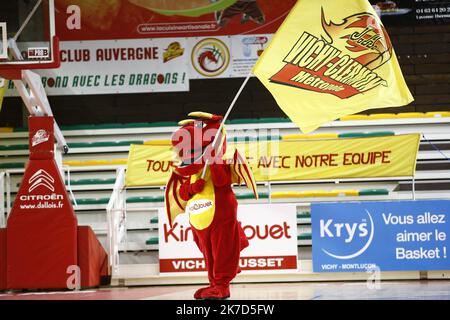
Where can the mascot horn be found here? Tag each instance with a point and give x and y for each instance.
(210, 202)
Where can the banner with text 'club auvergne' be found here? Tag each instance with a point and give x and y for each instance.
(122, 66)
(384, 236)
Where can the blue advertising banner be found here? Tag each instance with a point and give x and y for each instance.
(385, 236)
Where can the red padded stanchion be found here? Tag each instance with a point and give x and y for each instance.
(2, 259)
(42, 228)
(92, 258)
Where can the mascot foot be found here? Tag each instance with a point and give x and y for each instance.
(216, 293)
(198, 293)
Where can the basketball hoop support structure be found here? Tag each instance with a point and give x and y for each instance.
(33, 95)
(29, 84)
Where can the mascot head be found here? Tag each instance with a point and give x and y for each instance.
(192, 142)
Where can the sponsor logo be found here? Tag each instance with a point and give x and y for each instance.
(354, 237)
(342, 61)
(41, 197)
(41, 178)
(180, 233)
(38, 53)
(210, 57)
(174, 50)
(199, 206)
(39, 137)
(246, 263)
(253, 41)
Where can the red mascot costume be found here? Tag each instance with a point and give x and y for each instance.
(209, 201)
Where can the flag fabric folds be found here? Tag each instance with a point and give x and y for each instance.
(330, 59)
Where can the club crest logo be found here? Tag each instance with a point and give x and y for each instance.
(174, 50)
(39, 137)
(343, 61)
(210, 57)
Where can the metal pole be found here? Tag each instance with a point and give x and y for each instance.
(109, 237)
(69, 186)
(27, 20)
(269, 189)
(125, 217)
(225, 119)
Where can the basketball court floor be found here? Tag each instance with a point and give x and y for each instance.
(398, 290)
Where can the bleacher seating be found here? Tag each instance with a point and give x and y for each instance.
(97, 151)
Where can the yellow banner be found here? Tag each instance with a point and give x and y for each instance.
(330, 59)
(149, 165)
(3, 85)
(392, 156)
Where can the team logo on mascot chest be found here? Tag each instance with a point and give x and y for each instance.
(199, 206)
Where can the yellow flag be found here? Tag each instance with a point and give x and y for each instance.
(331, 58)
(3, 85)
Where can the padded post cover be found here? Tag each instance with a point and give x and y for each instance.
(42, 228)
(92, 258)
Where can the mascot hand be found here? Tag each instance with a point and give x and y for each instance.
(198, 186)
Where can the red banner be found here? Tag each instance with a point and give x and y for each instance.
(246, 263)
(120, 19)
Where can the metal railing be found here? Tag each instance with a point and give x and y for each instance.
(116, 215)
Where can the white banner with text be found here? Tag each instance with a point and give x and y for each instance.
(118, 66)
(270, 228)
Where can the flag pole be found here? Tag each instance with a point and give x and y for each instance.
(225, 119)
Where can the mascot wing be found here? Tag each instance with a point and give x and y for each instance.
(174, 204)
(242, 173)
